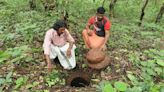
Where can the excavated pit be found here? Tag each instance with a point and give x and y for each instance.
(78, 79)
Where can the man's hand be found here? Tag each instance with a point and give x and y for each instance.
(68, 53)
(49, 65)
(106, 38)
(103, 47)
(89, 32)
(88, 29)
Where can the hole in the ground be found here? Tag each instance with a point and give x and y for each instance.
(78, 79)
(79, 82)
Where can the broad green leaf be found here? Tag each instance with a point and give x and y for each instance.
(17, 86)
(2, 81)
(108, 88)
(10, 36)
(17, 59)
(162, 89)
(154, 89)
(151, 63)
(160, 62)
(134, 89)
(2, 60)
(46, 91)
(19, 80)
(150, 71)
(4, 55)
(8, 77)
(121, 86)
(144, 63)
(146, 76)
(16, 53)
(144, 69)
(158, 70)
(131, 77)
(102, 84)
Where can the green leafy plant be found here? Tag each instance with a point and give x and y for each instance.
(3, 56)
(106, 86)
(120, 86)
(54, 78)
(29, 86)
(20, 81)
(150, 67)
(6, 81)
(19, 54)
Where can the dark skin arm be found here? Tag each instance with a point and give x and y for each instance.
(88, 29)
(49, 65)
(71, 43)
(103, 47)
(69, 49)
(87, 26)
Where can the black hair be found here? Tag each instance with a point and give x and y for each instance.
(101, 10)
(59, 24)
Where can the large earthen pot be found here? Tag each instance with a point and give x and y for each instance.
(95, 56)
(100, 65)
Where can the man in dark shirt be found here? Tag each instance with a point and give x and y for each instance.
(98, 37)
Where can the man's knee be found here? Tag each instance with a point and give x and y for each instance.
(73, 65)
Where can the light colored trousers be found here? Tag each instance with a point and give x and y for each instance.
(55, 52)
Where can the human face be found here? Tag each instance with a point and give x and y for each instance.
(99, 16)
(61, 30)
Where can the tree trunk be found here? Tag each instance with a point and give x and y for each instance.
(49, 4)
(111, 8)
(143, 12)
(103, 3)
(159, 16)
(65, 17)
(32, 4)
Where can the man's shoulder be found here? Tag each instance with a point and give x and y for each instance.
(50, 31)
(93, 17)
(106, 18)
(67, 31)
